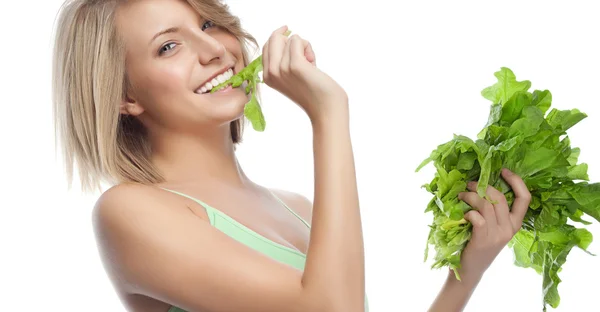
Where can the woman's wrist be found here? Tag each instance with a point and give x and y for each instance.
(467, 283)
(455, 294)
(336, 118)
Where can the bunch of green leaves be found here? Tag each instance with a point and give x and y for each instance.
(250, 74)
(524, 135)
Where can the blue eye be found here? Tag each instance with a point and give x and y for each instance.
(165, 48)
(207, 25)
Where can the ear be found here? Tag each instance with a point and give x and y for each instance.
(130, 106)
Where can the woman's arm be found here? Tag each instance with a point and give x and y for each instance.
(334, 166)
(454, 294)
(336, 257)
(494, 225)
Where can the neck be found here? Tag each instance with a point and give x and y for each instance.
(190, 158)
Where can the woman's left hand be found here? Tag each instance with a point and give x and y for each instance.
(290, 67)
(494, 225)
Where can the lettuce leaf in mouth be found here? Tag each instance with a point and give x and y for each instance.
(250, 74)
(524, 134)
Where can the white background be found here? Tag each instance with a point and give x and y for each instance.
(413, 70)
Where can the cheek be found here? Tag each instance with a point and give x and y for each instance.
(168, 80)
(160, 83)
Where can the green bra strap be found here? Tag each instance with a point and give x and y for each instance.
(210, 211)
(290, 210)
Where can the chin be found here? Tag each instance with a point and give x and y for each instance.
(226, 108)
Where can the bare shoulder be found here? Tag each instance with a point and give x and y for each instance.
(118, 194)
(298, 202)
(129, 214)
(121, 202)
(112, 206)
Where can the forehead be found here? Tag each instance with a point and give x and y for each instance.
(139, 20)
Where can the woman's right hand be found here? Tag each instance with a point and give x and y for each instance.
(494, 225)
(289, 66)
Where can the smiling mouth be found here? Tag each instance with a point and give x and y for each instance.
(214, 82)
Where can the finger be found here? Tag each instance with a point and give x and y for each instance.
(522, 198)
(477, 220)
(280, 31)
(310, 54)
(265, 61)
(500, 206)
(286, 57)
(276, 45)
(297, 55)
(481, 204)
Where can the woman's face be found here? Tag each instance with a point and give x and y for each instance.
(172, 52)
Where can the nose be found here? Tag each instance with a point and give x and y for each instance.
(208, 48)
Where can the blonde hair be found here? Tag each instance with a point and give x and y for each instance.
(89, 83)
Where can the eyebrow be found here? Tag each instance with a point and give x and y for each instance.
(162, 32)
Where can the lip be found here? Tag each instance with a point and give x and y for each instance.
(213, 76)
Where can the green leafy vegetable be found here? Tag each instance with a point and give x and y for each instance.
(525, 136)
(252, 110)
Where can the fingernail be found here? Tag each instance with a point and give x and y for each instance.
(506, 171)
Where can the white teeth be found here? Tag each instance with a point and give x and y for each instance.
(217, 80)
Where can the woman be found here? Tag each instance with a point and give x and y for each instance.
(183, 228)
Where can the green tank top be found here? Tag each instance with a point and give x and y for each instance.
(252, 239)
